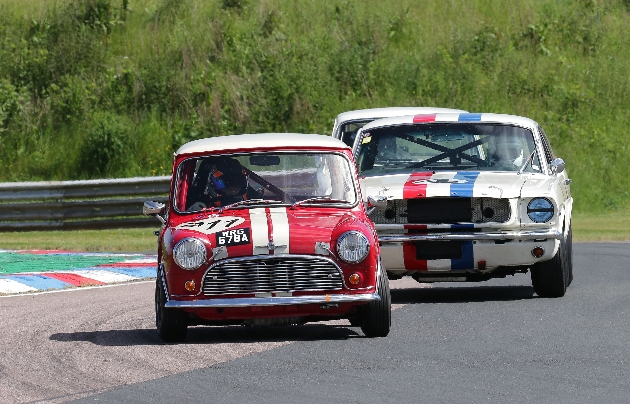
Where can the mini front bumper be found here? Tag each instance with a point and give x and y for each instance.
(273, 301)
(501, 235)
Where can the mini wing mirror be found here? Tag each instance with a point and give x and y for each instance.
(557, 165)
(376, 202)
(151, 208)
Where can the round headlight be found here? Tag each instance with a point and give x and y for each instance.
(540, 210)
(189, 253)
(353, 247)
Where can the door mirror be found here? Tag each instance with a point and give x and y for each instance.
(557, 165)
(376, 202)
(151, 208)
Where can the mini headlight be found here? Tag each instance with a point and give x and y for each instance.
(353, 247)
(189, 253)
(540, 210)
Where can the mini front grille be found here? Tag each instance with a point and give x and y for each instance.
(443, 210)
(272, 274)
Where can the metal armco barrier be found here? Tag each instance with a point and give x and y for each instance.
(69, 205)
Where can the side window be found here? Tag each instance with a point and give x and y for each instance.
(546, 145)
(348, 131)
(185, 173)
(366, 153)
(348, 137)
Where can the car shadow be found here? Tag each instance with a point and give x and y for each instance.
(307, 332)
(442, 294)
(215, 335)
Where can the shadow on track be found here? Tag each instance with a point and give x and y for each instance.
(445, 294)
(309, 332)
(214, 335)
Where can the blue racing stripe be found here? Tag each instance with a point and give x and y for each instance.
(469, 118)
(464, 190)
(40, 282)
(463, 226)
(468, 259)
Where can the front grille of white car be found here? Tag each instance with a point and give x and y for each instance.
(272, 274)
(443, 210)
(498, 210)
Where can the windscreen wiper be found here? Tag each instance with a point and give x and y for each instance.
(318, 199)
(245, 203)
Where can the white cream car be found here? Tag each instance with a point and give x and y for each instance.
(467, 197)
(348, 123)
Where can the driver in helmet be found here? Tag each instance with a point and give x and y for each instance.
(225, 182)
(506, 152)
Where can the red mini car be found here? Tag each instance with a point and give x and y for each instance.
(267, 229)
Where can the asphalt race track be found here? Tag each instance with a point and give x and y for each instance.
(451, 343)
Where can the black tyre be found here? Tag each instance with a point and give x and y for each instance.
(551, 278)
(570, 255)
(376, 316)
(171, 324)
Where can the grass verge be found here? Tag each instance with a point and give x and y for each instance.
(116, 240)
(614, 226)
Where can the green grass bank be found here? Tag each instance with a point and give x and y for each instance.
(109, 88)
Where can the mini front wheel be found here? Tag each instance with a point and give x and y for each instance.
(172, 324)
(376, 316)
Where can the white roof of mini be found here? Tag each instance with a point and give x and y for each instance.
(377, 113)
(259, 141)
(454, 118)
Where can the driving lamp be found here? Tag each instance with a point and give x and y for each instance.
(353, 247)
(189, 253)
(540, 210)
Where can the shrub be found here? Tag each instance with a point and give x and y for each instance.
(9, 102)
(106, 149)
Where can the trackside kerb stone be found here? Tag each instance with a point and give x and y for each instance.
(37, 270)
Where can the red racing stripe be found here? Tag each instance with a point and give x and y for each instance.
(409, 251)
(412, 189)
(409, 255)
(424, 118)
(73, 279)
